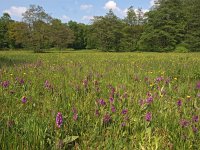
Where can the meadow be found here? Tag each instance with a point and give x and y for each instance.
(96, 100)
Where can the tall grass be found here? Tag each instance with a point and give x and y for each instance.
(104, 99)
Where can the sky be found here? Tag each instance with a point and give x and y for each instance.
(76, 10)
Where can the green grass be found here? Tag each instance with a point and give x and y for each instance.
(79, 80)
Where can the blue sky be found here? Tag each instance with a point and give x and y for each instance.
(77, 10)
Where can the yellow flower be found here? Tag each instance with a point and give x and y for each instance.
(188, 97)
(175, 79)
(11, 74)
(24, 73)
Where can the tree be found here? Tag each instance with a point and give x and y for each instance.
(61, 35)
(5, 20)
(167, 21)
(19, 34)
(107, 31)
(80, 31)
(132, 30)
(38, 24)
(192, 38)
(131, 18)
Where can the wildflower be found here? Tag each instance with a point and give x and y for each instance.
(97, 112)
(124, 111)
(85, 82)
(47, 85)
(5, 84)
(159, 79)
(24, 99)
(111, 100)
(184, 123)
(149, 100)
(75, 116)
(102, 102)
(198, 85)
(107, 118)
(21, 81)
(123, 124)
(59, 120)
(148, 116)
(195, 118)
(179, 103)
(167, 81)
(195, 130)
(188, 97)
(113, 108)
(175, 79)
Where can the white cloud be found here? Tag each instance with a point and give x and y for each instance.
(151, 2)
(15, 11)
(86, 6)
(111, 5)
(65, 18)
(87, 17)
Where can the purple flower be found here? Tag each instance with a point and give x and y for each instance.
(123, 124)
(149, 100)
(111, 100)
(107, 118)
(195, 118)
(102, 102)
(59, 119)
(179, 103)
(167, 81)
(47, 85)
(75, 117)
(198, 85)
(5, 84)
(97, 112)
(159, 79)
(124, 111)
(24, 99)
(184, 123)
(85, 82)
(148, 116)
(113, 108)
(195, 130)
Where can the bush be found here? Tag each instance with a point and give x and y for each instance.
(181, 48)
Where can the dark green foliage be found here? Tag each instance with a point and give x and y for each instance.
(170, 25)
(79, 30)
(5, 20)
(107, 32)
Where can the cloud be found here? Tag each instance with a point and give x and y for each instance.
(65, 18)
(87, 17)
(86, 6)
(111, 5)
(151, 2)
(15, 11)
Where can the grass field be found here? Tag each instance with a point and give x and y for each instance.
(94, 100)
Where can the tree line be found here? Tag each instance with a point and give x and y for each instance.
(170, 25)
